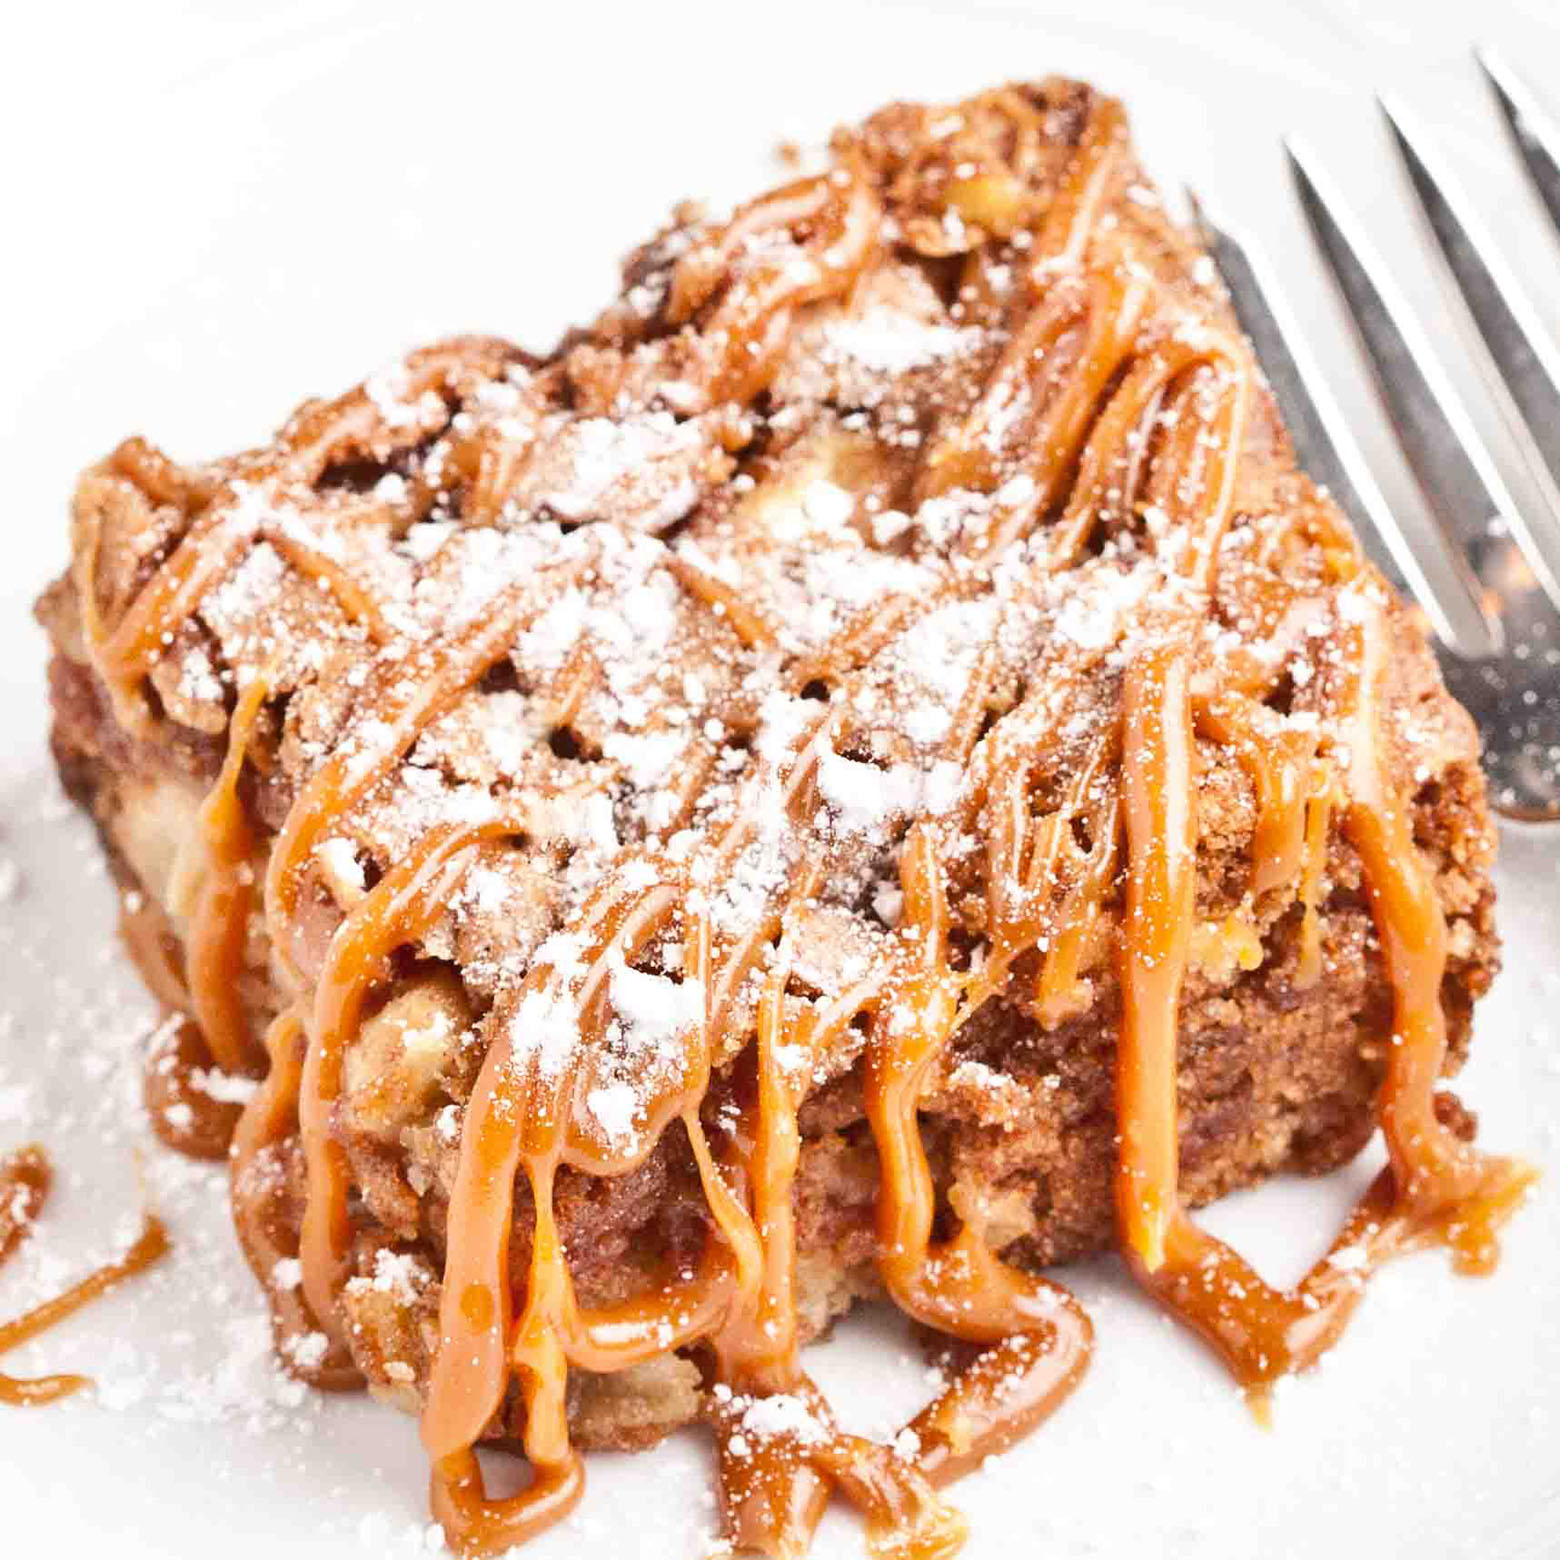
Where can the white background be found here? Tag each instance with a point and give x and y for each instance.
(210, 211)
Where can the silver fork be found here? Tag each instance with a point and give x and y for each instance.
(1485, 571)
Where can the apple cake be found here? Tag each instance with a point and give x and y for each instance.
(866, 772)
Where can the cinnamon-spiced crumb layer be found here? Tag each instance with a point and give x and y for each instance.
(864, 772)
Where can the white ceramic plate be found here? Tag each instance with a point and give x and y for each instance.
(214, 211)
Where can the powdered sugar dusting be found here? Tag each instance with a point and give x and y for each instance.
(891, 343)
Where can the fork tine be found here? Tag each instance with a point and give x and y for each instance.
(1525, 360)
(1534, 132)
(1456, 473)
(1424, 564)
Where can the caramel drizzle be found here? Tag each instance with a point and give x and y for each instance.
(205, 982)
(185, 1116)
(1106, 309)
(1068, 227)
(1436, 1190)
(221, 526)
(1086, 453)
(220, 923)
(767, 274)
(520, 1115)
(407, 696)
(401, 905)
(25, 1177)
(517, 1120)
(269, 1120)
(1279, 761)
(332, 576)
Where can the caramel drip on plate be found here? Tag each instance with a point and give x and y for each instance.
(25, 1178)
(1106, 421)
